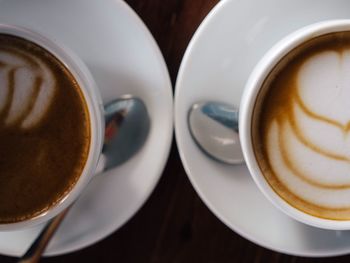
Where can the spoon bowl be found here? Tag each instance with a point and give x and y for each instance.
(127, 125)
(214, 128)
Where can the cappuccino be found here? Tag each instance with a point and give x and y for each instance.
(44, 130)
(301, 126)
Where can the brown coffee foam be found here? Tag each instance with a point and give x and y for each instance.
(275, 101)
(18, 53)
(39, 166)
(7, 104)
(316, 116)
(32, 100)
(293, 167)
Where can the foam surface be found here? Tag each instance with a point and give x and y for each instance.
(305, 162)
(327, 76)
(45, 131)
(328, 197)
(310, 151)
(326, 137)
(27, 88)
(304, 127)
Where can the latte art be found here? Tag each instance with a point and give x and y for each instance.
(27, 88)
(326, 75)
(303, 130)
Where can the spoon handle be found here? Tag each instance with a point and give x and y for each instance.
(37, 248)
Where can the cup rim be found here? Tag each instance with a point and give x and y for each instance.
(251, 90)
(95, 108)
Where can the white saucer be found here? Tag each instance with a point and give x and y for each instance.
(216, 65)
(124, 58)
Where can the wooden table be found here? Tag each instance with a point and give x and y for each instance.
(174, 225)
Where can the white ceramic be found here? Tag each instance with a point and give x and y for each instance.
(123, 58)
(95, 107)
(220, 57)
(251, 90)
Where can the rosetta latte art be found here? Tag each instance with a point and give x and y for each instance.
(27, 88)
(308, 147)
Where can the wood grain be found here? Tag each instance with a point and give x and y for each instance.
(174, 226)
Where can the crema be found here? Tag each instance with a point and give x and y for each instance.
(44, 130)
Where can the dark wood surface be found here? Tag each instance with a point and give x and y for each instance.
(174, 225)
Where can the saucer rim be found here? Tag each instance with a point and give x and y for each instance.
(215, 11)
(147, 34)
(159, 167)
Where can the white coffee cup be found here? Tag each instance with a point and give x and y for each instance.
(252, 88)
(95, 108)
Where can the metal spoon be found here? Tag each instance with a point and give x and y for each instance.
(127, 126)
(214, 127)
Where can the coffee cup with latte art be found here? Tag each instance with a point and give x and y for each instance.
(51, 127)
(295, 125)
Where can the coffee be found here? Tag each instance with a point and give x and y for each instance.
(44, 130)
(301, 126)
